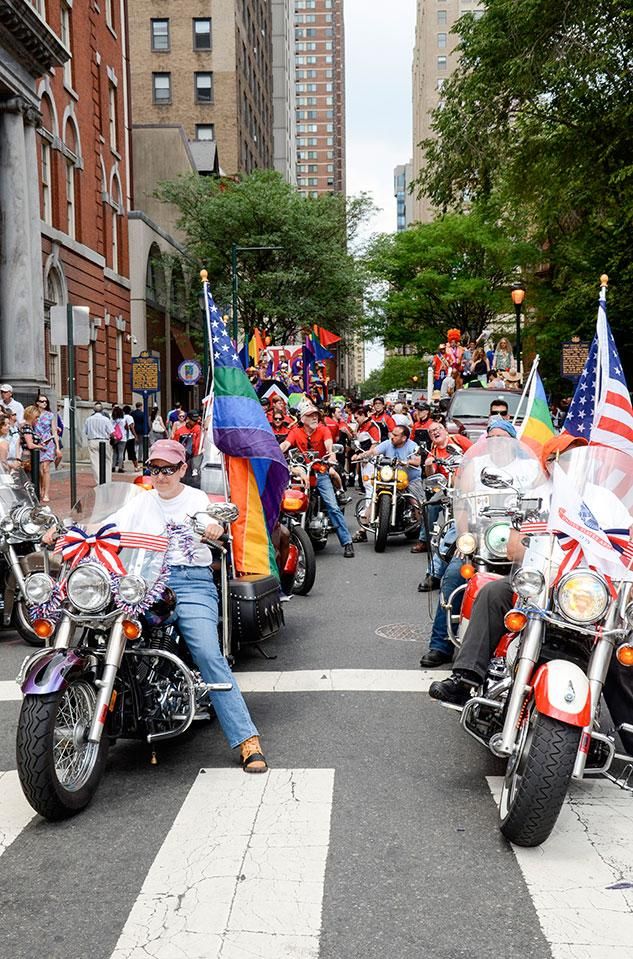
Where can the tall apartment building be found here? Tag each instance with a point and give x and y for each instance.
(208, 68)
(402, 177)
(320, 96)
(284, 119)
(434, 59)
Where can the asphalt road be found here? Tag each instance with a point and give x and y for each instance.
(415, 865)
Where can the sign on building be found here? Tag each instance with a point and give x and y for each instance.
(145, 373)
(573, 358)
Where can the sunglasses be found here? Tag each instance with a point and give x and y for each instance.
(163, 470)
(41, 401)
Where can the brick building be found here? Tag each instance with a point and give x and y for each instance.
(212, 75)
(84, 172)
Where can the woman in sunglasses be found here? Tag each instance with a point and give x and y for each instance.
(191, 580)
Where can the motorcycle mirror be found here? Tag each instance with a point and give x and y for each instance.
(337, 448)
(495, 480)
(223, 512)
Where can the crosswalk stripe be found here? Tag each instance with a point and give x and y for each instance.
(313, 680)
(15, 812)
(240, 873)
(581, 879)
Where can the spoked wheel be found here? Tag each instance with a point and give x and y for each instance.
(58, 768)
(537, 778)
(306, 565)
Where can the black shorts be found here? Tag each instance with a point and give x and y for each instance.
(130, 450)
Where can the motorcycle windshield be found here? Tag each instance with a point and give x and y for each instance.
(496, 476)
(592, 505)
(16, 489)
(121, 527)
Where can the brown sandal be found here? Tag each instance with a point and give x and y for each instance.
(251, 758)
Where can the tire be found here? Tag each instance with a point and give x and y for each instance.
(384, 522)
(38, 762)
(536, 782)
(307, 561)
(21, 623)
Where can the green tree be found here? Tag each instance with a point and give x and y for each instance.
(453, 272)
(311, 278)
(534, 131)
(396, 373)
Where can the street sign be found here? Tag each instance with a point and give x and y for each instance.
(189, 372)
(573, 358)
(59, 326)
(145, 373)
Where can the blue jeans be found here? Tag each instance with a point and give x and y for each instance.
(451, 579)
(324, 484)
(432, 515)
(196, 616)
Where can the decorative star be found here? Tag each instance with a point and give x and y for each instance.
(217, 356)
(216, 339)
(581, 428)
(225, 348)
(215, 324)
(583, 387)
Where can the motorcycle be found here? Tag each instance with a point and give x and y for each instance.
(117, 669)
(539, 706)
(294, 508)
(315, 520)
(391, 510)
(23, 522)
(437, 513)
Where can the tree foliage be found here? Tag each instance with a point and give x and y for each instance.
(395, 374)
(534, 131)
(453, 272)
(311, 277)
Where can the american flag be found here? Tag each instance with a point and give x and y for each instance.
(601, 410)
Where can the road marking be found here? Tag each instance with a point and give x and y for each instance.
(240, 873)
(313, 680)
(581, 879)
(15, 812)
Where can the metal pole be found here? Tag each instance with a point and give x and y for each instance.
(517, 310)
(35, 472)
(71, 400)
(102, 462)
(234, 292)
(145, 442)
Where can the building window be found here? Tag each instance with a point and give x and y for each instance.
(115, 241)
(67, 40)
(109, 14)
(161, 87)
(203, 86)
(441, 41)
(112, 120)
(70, 199)
(91, 371)
(205, 131)
(439, 83)
(40, 6)
(47, 199)
(202, 34)
(119, 363)
(442, 18)
(441, 63)
(160, 36)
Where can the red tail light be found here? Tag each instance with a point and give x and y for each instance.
(294, 501)
(292, 560)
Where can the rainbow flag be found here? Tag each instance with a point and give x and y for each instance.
(257, 470)
(537, 426)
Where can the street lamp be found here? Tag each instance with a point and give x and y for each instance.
(518, 295)
(235, 249)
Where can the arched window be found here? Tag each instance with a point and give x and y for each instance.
(46, 132)
(71, 158)
(155, 278)
(53, 296)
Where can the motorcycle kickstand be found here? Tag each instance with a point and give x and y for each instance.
(263, 652)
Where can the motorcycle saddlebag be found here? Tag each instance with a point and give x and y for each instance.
(256, 610)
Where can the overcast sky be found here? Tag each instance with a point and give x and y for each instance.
(379, 37)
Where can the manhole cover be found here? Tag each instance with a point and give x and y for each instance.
(404, 632)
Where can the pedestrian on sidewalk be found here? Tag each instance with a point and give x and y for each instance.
(46, 434)
(15, 442)
(158, 430)
(131, 437)
(6, 395)
(98, 429)
(28, 437)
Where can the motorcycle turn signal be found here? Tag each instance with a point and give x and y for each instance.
(43, 628)
(467, 570)
(515, 620)
(131, 628)
(624, 654)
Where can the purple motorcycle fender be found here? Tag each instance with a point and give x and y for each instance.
(48, 674)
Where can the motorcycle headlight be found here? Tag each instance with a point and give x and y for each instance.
(528, 582)
(31, 520)
(386, 474)
(6, 524)
(466, 543)
(38, 588)
(132, 589)
(582, 597)
(89, 588)
(496, 540)
(628, 613)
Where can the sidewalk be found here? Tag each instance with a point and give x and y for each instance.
(60, 484)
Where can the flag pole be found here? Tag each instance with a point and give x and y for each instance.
(528, 384)
(604, 283)
(204, 276)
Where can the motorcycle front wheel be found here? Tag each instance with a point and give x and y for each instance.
(384, 522)
(537, 778)
(59, 769)
(306, 566)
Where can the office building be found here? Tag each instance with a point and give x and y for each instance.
(402, 176)
(320, 96)
(284, 119)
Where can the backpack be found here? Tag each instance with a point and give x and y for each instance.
(117, 433)
(186, 439)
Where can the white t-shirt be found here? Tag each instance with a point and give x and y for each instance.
(146, 512)
(128, 421)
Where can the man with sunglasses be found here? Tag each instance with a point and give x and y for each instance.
(191, 579)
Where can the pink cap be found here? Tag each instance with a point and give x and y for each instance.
(169, 450)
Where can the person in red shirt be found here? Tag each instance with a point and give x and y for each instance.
(189, 433)
(309, 435)
(444, 445)
(382, 418)
(422, 420)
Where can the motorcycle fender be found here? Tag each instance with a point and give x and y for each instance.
(470, 594)
(49, 673)
(292, 560)
(555, 683)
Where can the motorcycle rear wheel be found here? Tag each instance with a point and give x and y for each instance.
(384, 522)
(306, 567)
(537, 779)
(59, 770)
